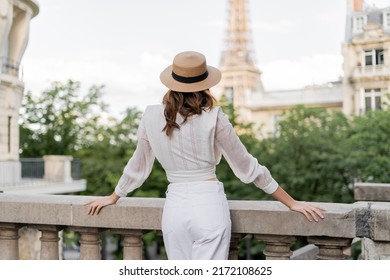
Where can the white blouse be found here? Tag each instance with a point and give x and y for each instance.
(192, 152)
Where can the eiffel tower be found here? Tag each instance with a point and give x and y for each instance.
(240, 76)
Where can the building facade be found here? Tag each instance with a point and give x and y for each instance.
(15, 16)
(366, 70)
(366, 53)
(56, 170)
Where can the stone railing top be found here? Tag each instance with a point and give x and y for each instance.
(372, 192)
(254, 217)
(373, 220)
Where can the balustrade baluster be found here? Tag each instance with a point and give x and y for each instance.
(277, 247)
(330, 248)
(89, 243)
(233, 250)
(49, 242)
(132, 243)
(9, 237)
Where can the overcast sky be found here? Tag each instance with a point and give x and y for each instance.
(125, 44)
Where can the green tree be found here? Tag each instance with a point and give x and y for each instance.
(105, 158)
(308, 158)
(59, 121)
(369, 147)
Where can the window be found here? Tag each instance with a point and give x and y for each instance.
(368, 58)
(4, 51)
(372, 99)
(358, 24)
(379, 56)
(373, 57)
(386, 20)
(4, 55)
(9, 134)
(276, 119)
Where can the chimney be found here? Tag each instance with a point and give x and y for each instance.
(356, 5)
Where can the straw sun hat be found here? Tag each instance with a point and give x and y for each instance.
(190, 73)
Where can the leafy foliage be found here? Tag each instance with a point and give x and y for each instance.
(59, 121)
(317, 155)
(369, 147)
(308, 158)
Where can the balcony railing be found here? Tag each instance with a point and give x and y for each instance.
(371, 71)
(34, 168)
(52, 174)
(269, 222)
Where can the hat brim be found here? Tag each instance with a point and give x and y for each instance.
(213, 78)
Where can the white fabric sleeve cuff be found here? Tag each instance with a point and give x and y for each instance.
(121, 188)
(271, 187)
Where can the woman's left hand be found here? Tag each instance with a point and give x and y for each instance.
(97, 204)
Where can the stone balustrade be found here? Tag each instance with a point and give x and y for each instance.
(370, 71)
(372, 192)
(374, 211)
(268, 221)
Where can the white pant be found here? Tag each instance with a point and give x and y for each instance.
(196, 221)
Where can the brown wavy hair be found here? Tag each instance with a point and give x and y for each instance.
(186, 104)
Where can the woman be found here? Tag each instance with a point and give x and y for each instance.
(188, 134)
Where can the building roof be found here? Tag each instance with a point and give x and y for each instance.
(330, 93)
(373, 14)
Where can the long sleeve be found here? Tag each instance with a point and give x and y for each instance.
(139, 166)
(243, 164)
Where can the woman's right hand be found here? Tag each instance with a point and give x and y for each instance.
(97, 204)
(311, 212)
